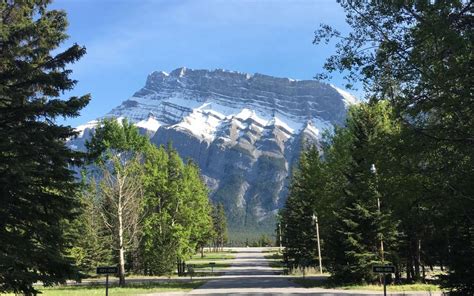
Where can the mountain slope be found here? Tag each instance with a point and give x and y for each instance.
(245, 131)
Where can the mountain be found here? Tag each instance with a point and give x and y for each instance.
(244, 131)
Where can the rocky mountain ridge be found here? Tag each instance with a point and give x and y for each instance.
(244, 131)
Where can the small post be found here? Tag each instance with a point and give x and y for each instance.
(107, 284)
(319, 248)
(279, 234)
(107, 270)
(315, 218)
(384, 269)
(212, 264)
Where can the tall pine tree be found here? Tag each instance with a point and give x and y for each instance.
(304, 201)
(364, 231)
(37, 187)
(418, 54)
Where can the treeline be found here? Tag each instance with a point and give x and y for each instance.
(144, 208)
(394, 185)
(377, 202)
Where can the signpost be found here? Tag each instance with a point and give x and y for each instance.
(383, 269)
(212, 264)
(107, 270)
(191, 270)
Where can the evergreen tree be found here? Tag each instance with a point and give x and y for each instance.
(91, 245)
(219, 220)
(365, 232)
(38, 191)
(304, 201)
(418, 55)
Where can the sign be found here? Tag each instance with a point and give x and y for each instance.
(212, 264)
(107, 270)
(383, 269)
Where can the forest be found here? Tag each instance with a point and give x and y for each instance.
(394, 185)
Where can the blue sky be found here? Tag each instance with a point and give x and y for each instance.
(127, 40)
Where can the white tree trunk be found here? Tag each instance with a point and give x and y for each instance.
(120, 233)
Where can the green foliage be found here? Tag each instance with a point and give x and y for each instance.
(418, 55)
(113, 137)
(171, 217)
(219, 222)
(37, 187)
(116, 149)
(342, 192)
(92, 242)
(299, 231)
(177, 210)
(263, 241)
(361, 226)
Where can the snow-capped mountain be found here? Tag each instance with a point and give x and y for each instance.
(245, 131)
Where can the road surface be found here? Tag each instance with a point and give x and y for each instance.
(250, 274)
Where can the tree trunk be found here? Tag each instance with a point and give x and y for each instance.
(122, 267)
(417, 260)
(120, 233)
(410, 272)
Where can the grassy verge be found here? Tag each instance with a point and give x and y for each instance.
(202, 266)
(129, 290)
(206, 265)
(322, 283)
(214, 256)
(275, 260)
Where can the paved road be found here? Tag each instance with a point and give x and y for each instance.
(250, 274)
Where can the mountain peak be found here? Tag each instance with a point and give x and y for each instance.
(179, 72)
(243, 130)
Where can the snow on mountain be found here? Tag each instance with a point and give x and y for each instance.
(150, 124)
(243, 130)
(348, 98)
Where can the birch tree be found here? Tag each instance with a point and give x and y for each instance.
(116, 150)
(121, 194)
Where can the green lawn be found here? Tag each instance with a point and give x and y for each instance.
(321, 283)
(129, 290)
(202, 266)
(275, 260)
(214, 256)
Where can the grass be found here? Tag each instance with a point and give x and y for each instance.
(272, 250)
(274, 256)
(275, 260)
(205, 265)
(202, 266)
(130, 289)
(214, 256)
(322, 283)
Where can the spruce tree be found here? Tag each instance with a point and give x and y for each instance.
(91, 244)
(363, 226)
(37, 186)
(304, 201)
(220, 226)
(418, 55)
